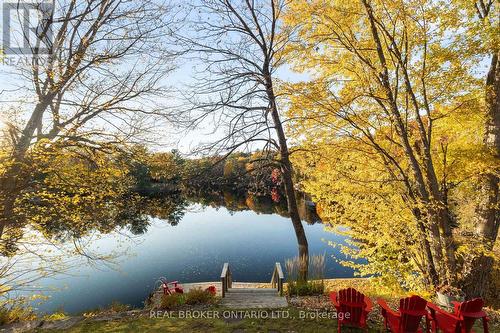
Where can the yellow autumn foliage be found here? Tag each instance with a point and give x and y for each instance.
(375, 100)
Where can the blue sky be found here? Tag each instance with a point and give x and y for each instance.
(166, 137)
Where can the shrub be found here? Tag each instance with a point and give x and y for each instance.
(173, 301)
(59, 315)
(199, 296)
(192, 297)
(114, 307)
(14, 313)
(299, 288)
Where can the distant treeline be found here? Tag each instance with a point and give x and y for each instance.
(164, 172)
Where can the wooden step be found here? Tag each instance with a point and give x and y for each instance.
(252, 298)
(253, 290)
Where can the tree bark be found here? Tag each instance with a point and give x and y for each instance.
(294, 216)
(430, 265)
(487, 217)
(478, 278)
(441, 223)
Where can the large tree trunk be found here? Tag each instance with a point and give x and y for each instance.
(478, 276)
(487, 211)
(294, 216)
(286, 168)
(487, 217)
(441, 220)
(426, 246)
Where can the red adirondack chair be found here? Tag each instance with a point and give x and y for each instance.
(171, 287)
(409, 316)
(352, 307)
(461, 320)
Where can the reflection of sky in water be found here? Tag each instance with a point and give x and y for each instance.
(192, 251)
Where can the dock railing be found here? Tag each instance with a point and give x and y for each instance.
(278, 278)
(226, 278)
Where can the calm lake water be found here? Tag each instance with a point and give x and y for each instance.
(193, 250)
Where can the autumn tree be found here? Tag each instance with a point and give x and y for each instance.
(77, 196)
(387, 77)
(103, 66)
(240, 45)
(484, 25)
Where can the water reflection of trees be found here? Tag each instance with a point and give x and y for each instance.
(48, 241)
(170, 209)
(133, 213)
(235, 202)
(59, 239)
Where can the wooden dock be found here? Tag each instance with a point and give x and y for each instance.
(238, 297)
(241, 295)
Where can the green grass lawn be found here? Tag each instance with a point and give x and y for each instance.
(183, 325)
(292, 324)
